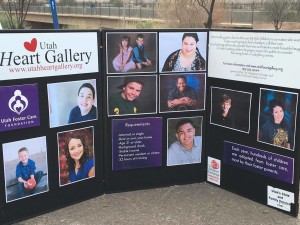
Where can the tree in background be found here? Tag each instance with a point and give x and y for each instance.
(191, 13)
(208, 7)
(275, 11)
(15, 12)
(297, 6)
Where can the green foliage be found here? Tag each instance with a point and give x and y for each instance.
(117, 3)
(67, 2)
(145, 25)
(16, 12)
(4, 21)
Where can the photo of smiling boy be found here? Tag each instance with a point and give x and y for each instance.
(131, 95)
(85, 110)
(125, 102)
(186, 148)
(26, 169)
(72, 102)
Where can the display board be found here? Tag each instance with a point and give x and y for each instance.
(118, 110)
(155, 117)
(50, 121)
(253, 92)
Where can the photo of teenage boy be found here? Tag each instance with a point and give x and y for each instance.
(182, 52)
(76, 155)
(85, 109)
(72, 102)
(139, 52)
(225, 116)
(182, 92)
(134, 95)
(25, 164)
(230, 109)
(187, 149)
(278, 127)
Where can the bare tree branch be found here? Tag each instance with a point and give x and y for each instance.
(275, 11)
(190, 13)
(208, 7)
(16, 12)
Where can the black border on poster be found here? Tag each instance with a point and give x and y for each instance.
(239, 180)
(56, 197)
(132, 179)
(250, 185)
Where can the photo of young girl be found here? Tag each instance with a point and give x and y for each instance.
(123, 61)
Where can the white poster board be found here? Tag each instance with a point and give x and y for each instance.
(263, 58)
(30, 55)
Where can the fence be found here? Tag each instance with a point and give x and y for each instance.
(235, 12)
(92, 9)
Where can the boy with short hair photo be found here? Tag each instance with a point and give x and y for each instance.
(85, 109)
(139, 54)
(25, 170)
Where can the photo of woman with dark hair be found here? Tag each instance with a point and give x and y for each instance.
(76, 155)
(277, 130)
(277, 118)
(188, 58)
(80, 165)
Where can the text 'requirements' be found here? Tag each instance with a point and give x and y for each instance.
(136, 143)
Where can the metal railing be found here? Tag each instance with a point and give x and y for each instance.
(92, 9)
(235, 12)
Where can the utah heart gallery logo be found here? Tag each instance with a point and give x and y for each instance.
(31, 46)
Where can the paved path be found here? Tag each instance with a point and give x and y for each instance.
(181, 204)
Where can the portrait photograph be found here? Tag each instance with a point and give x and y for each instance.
(76, 155)
(277, 118)
(131, 95)
(182, 92)
(182, 52)
(184, 140)
(72, 102)
(131, 52)
(25, 168)
(230, 109)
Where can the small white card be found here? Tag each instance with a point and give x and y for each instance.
(213, 170)
(280, 199)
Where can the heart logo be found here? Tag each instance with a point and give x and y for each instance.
(214, 164)
(31, 46)
(19, 109)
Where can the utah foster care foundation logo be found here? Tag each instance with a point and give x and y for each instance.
(18, 103)
(43, 52)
